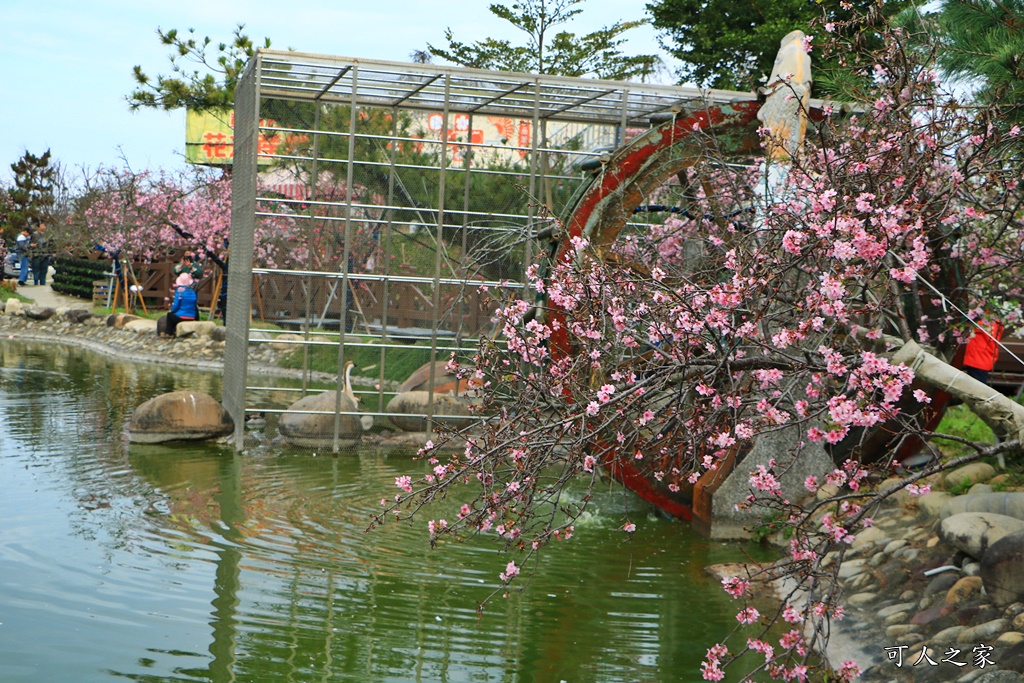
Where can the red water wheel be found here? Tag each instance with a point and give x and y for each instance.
(629, 179)
(624, 182)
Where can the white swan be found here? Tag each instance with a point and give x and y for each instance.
(365, 420)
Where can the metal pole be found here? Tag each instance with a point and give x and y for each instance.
(436, 302)
(385, 306)
(624, 118)
(530, 212)
(467, 164)
(343, 299)
(311, 231)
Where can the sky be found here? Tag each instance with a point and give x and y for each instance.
(67, 64)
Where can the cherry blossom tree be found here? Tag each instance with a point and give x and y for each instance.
(770, 304)
(151, 215)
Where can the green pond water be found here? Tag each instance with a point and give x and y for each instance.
(195, 563)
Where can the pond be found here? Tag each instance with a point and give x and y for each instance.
(196, 563)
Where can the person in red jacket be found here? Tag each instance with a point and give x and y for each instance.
(982, 351)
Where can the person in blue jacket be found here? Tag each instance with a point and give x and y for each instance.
(185, 305)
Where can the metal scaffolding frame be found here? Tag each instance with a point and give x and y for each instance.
(564, 118)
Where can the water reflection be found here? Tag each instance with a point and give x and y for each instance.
(194, 563)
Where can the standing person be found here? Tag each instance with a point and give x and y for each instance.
(39, 256)
(982, 351)
(184, 307)
(21, 247)
(190, 265)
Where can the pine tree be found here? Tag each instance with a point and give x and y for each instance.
(209, 87)
(983, 43)
(546, 52)
(33, 196)
(732, 44)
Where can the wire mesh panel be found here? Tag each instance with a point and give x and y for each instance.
(242, 230)
(381, 198)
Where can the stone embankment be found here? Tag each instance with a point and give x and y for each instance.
(199, 344)
(940, 578)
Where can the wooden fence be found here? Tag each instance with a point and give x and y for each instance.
(291, 300)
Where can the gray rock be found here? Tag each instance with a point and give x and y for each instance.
(910, 638)
(1002, 569)
(975, 675)
(851, 568)
(909, 554)
(411, 407)
(286, 342)
(974, 532)
(870, 537)
(1010, 638)
(983, 632)
(141, 326)
(971, 676)
(13, 307)
(861, 599)
(979, 488)
(897, 618)
(310, 421)
(942, 583)
(948, 635)
(74, 315)
(975, 472)
(120, 319)
(194, 328)
(932, 503)
(1000, 677)
(971, 569)
(39, 312)
(897, 630)
(1009, 503)
(179, 416)
(1012, 658)
(893, 546)
(886, 612)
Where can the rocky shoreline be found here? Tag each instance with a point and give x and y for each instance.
(938, 578)
(134, 339)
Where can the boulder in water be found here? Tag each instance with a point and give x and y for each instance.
(444, 382)
(179, 416)
(305, 428)
(409, 410)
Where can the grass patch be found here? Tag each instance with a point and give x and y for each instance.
(961, 487)
(9, 292)
(399, 362)
(961, 421)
